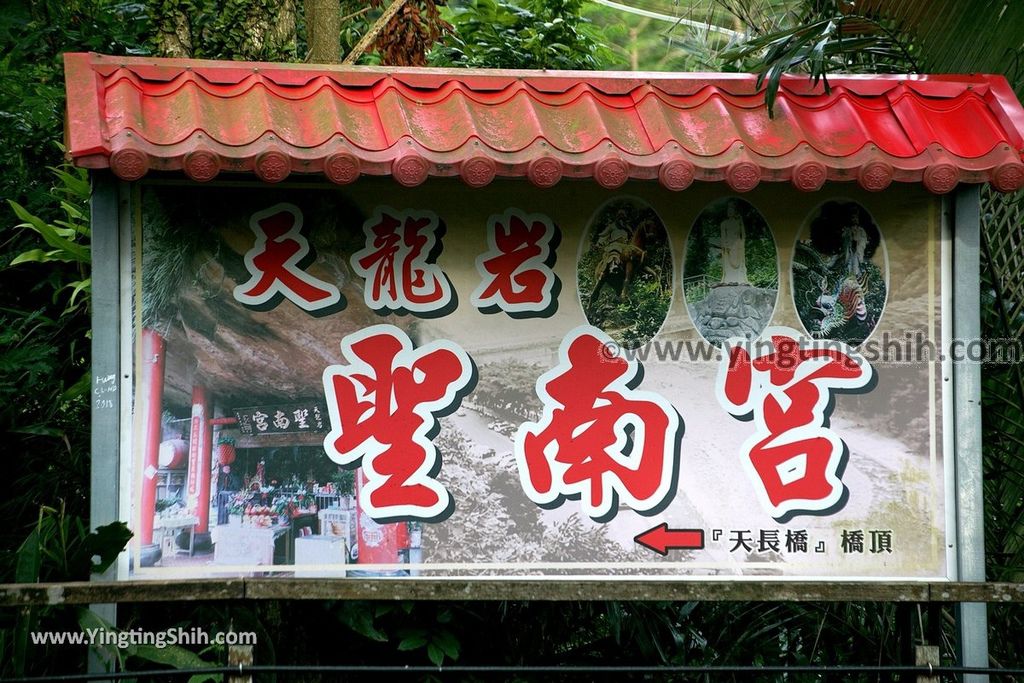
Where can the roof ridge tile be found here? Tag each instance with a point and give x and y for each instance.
(160, 113)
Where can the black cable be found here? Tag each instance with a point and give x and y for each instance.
(242, 670)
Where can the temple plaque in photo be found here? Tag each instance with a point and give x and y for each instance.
(281, 419)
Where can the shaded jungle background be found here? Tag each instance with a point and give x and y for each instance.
(44, 321)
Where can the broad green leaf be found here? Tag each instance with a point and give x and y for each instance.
(359, 617)
(177, 657)
(79, 388)
(73, 211)
(40, 256)
(435, 654)
(49, 234)
(76, 183)
(28, 559)
(89, 620)
(448, 643)
(413, 642)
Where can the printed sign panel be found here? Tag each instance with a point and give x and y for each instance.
(511, 381)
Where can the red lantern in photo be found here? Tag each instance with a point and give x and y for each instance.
(226, 451)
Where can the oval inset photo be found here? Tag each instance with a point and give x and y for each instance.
(730, 271)
(840, 273)
(624, 271)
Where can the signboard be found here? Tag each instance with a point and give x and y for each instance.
(562, 382)
(281, 419)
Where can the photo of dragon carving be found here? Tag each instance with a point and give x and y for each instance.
(840, 273)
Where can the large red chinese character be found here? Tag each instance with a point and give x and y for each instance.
(516, 270)
(598, 439)
(398, 262)
(275, 263)
(793, 457)
(384, 406)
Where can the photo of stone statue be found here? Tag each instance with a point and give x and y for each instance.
(730, 271)
(839, 273)
(624, 271)
(734, 263)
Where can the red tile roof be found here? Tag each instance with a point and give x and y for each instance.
(203, 117)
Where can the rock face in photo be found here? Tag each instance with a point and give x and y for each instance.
(734, 311)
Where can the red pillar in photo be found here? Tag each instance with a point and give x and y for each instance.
(378, 543)
(200, 449)
(151, 391)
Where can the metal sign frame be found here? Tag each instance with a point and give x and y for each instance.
(112, 391)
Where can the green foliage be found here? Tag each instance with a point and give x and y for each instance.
(820, 46)
(685, 36)
(533, 34)
(361, 17)
(762, 264)
(879, 36)
(648, 312)
(166, 260)
(32, 37)
(44, 377)
(44, 323)
(65, 239)
(59, 548)
(173, 656)
(345, 480)
(250, 30)
(437, 640)
(698, 251)
(43, 347)
(1002, 396)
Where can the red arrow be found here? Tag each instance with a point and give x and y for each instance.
(661, 539)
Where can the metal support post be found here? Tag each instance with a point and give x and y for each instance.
(106, 376)
(972, 618)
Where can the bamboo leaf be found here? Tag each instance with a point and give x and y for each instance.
(40, 256)
(49, 234)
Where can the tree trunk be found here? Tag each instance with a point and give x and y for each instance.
(323, 31)
(271, 35)
(174, 32)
